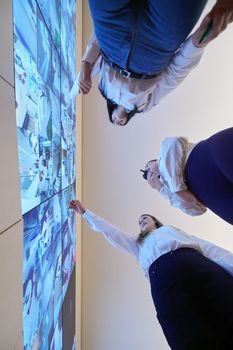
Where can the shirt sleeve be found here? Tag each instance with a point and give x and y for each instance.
(192, 208)
(92, 56)
(182, 63)
(92, 50)
(114, 236)
(188, 208)
(220, 256)
(172, 162)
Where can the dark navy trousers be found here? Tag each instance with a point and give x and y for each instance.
(209, 173)
(142, 36)
(193, 297)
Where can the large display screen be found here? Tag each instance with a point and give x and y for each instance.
(44, 54)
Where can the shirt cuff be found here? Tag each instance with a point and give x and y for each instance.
(91, 55)
(190, 50)
(87, 214)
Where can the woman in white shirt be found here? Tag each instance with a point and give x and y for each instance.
(194, 177)
(140, 52)
(191, 280)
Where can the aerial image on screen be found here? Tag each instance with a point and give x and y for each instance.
(44, 56)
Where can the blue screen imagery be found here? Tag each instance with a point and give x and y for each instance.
(45, 117)
(45, 61)
(49, 259)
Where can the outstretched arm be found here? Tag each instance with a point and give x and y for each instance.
(182, 63)
(115, 237)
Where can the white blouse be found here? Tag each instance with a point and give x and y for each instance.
(143, 93)
(160, 241)
(172, 159)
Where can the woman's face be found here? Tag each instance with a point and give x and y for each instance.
(146, 223)
(119, 116)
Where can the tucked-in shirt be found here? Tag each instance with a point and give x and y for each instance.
(158, 242)
(141, 93)
(173, 156)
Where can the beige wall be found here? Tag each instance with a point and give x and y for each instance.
(117, 311)
(11, 228)
(78, 176)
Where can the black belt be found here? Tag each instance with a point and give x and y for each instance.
(125, 73)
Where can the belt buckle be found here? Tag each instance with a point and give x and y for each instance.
(125, 73)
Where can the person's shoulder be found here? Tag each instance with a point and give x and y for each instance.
(179, 231)
(174, 141)
(164, 228)
(168, 143)
(170, 228)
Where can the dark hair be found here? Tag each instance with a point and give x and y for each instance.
(145, 172)
(141, 235)
(111, 105)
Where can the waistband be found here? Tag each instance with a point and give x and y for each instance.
(125, 72)
(173, 252)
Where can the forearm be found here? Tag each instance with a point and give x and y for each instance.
(186, 59)
(113, 235)
(192, 208)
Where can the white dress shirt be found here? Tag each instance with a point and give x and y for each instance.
(160, 241)
(141, 93)
(172, 159)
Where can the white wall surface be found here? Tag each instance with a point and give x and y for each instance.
(117, 310)
(11, 257)
(6, 30)
(9, 174)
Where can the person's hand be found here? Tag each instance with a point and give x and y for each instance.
(77, 206)
(154, 181)
(84, 81)
(189, 197)
(219, 17)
